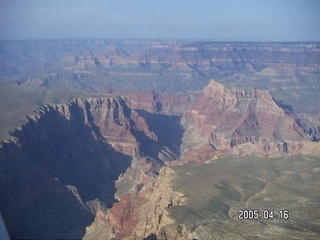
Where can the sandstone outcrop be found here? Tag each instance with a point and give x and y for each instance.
(239, 122)
(72, 151)
(219, 121)
(142, 213)
(155, 214)
(164, 103)
(97, 166)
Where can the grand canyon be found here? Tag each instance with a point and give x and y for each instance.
(132, 139)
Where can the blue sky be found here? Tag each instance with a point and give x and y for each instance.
(253, 20)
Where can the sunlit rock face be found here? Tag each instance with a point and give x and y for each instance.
(93, 165)
(240, 122)
(97, 168)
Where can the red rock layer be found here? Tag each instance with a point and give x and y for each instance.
(63, 156)
(154, 102)
(239, 122)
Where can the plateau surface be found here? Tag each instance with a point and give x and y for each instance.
(134, 140)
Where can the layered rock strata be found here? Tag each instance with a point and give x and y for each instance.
(239, 122)
(66, 156)
(289, 70)
(92, 168)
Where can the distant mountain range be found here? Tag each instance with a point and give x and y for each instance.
(289, 70)
(118, 159)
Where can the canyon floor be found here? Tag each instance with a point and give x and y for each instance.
(159, 139)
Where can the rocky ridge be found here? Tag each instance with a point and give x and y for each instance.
(240, 122)
(288, 70)
(107, 157)
(78, 149)
(263, 123)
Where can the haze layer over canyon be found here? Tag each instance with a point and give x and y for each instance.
(159, 140)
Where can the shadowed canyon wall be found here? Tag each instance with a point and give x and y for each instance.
(77, 151)
(65, 156)
(88, 168)
(60, 154)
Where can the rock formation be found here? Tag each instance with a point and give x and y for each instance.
(289, 70)
(96, 167)
(63, 157)
(239, 122)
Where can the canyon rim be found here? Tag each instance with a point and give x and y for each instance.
(159, 139)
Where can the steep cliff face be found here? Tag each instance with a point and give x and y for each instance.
(155, 215)
(164, 103)
(311, 126)
(101, 124)
(239, 122)
(141, 213)
(64, 156)
(219, 121)
(34, 203)
(92, 168)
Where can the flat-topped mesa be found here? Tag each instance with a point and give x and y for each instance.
(228, 120)
(173, 66)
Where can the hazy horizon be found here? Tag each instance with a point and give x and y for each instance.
(246, 20)
(165, 40)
